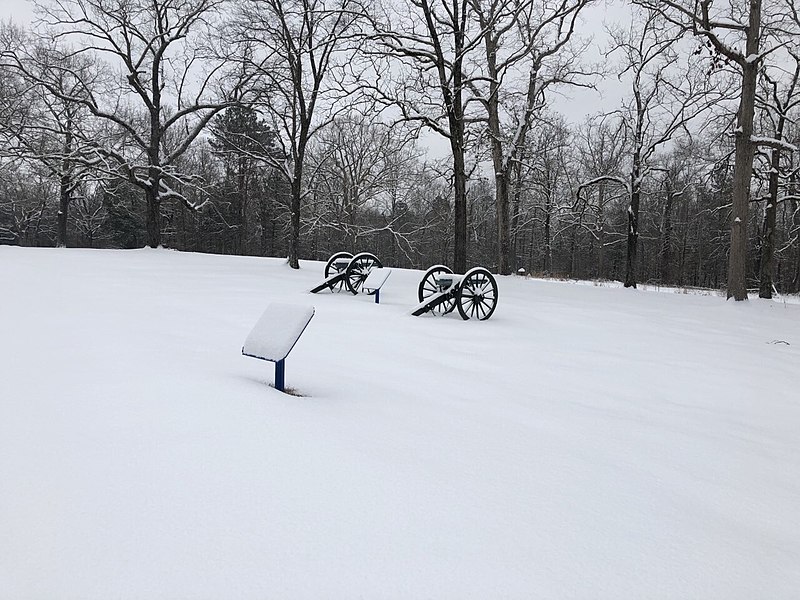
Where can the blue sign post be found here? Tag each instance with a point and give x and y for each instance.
(280, 375)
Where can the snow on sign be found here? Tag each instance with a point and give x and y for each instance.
(275, 334)
(374, 282)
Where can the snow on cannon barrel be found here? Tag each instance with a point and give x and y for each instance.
(345, 271)
(441, 291)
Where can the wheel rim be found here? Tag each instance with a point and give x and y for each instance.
(428, 287)
(478, 295)
(358, 270)
(332, 269)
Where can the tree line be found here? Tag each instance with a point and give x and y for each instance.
(292, 128)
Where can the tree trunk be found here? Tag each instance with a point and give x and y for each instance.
(743, 161)
(294, 226)
(243, 192)
(264, 218)
(684, 217)
(515, 213)
(601, 231)
(451, 81)
(351, 209)
(153, 217)
(460, 207)
(795, 226)
(64, 199)
(65, 186)
(503, 225)
(573, 263)
(548, 243)
(501, 168)
(768, 243)
(766, 278)
(633, 229)
(666, 239)
(503, 161)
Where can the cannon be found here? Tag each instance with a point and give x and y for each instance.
(441, 291)
(343, 271)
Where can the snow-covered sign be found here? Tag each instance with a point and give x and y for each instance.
(375, 281)
(277, 331)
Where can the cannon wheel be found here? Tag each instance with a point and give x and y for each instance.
(330, 269)
(477, 295)
(358, 269)
(428, 287)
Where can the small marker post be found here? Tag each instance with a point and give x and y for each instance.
(280, 375)
(378, 296)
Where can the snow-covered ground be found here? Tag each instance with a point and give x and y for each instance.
(586, 442)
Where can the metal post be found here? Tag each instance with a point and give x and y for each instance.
(378, 296)
(279, 375)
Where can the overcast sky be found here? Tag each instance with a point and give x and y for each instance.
(19, 10)
(575, 106)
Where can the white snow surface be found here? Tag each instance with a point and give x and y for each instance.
(585, 442)
(277, 331)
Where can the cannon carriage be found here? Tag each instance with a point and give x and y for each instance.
(343, 271)
(441, 291)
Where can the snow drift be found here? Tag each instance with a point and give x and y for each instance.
(583, 443)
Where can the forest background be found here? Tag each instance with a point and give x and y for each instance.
(644, 142)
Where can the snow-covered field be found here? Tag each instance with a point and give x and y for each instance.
(586, 442)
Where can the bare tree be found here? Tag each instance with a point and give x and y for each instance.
(727, 28)
(544, 181)
(432, 38)
(298, 51)
(602, 149)
(527, 50)
(680, 171)
(777, 102)
(23, 201)
(14, 95)
(665, 97)
(89, 216)
(355, 164)
(47, 130)
(167, 93)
